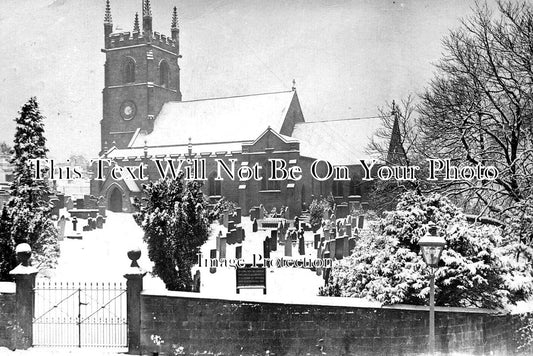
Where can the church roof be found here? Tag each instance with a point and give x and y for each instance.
(341, 142)
(230, 119)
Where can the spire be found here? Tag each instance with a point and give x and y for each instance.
(294, 85)
(136, 27)
(108, 20)
(174, 19)
(147, 10)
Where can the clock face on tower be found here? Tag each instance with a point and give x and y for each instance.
(128, 110)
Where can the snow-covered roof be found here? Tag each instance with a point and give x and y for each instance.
(177, 150)
(341, 142)
(230, 119)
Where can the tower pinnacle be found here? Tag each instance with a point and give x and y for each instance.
(147, 19)
(136, 27)
(108, 20)
(147, 9)
(174, 19)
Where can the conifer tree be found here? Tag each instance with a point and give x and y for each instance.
(26, 218)
(176, 223)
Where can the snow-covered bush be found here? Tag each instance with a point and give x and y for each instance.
(316, 213)
(387, 266)
(175, 223)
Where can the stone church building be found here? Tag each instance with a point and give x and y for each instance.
(144, 117)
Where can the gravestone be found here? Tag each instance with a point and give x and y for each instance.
(348, 230)
(351, 246)
(222, 247)
(101, 210)
(254, 225)
(99, 222)
(74, 223)
(332, 244)
(238, 252)
(286, 214)
(196, 282)
(61, 198)
(238, 216)
(218, 240)
(266, 248)
(346, 246)
(261, 212)
(294, 236)
(297, 223)
(339, 248)
(319, 256)
(231, 237)
(254, 213)
(239, 235)
(212, 256)
(326, 271)
(317, 241)
(69, 204)
(55, 207)
(273, 240)
(288, 248)
(225, 218)
(326, 234)
(301, 245)
(61, 228)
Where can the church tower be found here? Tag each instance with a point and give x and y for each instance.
(141, 74)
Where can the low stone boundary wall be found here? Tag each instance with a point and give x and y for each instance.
(7, 313)
(335, 326)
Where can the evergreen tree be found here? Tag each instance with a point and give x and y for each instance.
(27, 215)
(476, 270)
(176, 223)
(7, 246)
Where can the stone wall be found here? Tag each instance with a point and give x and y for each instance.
(7, 313)
(241, 327)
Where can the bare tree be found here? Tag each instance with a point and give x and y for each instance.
(478, 108)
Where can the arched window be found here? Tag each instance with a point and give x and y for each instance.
(355, 185)
(164, 74)
(337, 189)
(215, 186)
(128, 71)
(268, 184)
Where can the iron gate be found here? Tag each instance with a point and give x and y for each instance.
(80, 315)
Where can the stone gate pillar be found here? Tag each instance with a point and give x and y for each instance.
(134, 286)
(24, 276)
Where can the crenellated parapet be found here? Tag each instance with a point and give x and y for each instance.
(126, 39)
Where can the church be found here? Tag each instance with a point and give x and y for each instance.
(145, 118)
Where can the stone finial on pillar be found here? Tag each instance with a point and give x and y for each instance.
(24, 275)
(134, 286)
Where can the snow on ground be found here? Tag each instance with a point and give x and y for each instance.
(101, 256)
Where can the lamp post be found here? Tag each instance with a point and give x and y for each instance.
(431, 246)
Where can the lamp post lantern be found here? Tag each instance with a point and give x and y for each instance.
(431, 246)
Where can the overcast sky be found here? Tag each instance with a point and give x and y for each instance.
(347, 57)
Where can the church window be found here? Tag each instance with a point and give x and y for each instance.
(355, 185)
(215, 186)
(164, 74)
(129, 71)
(269, 184)
(337, 188)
